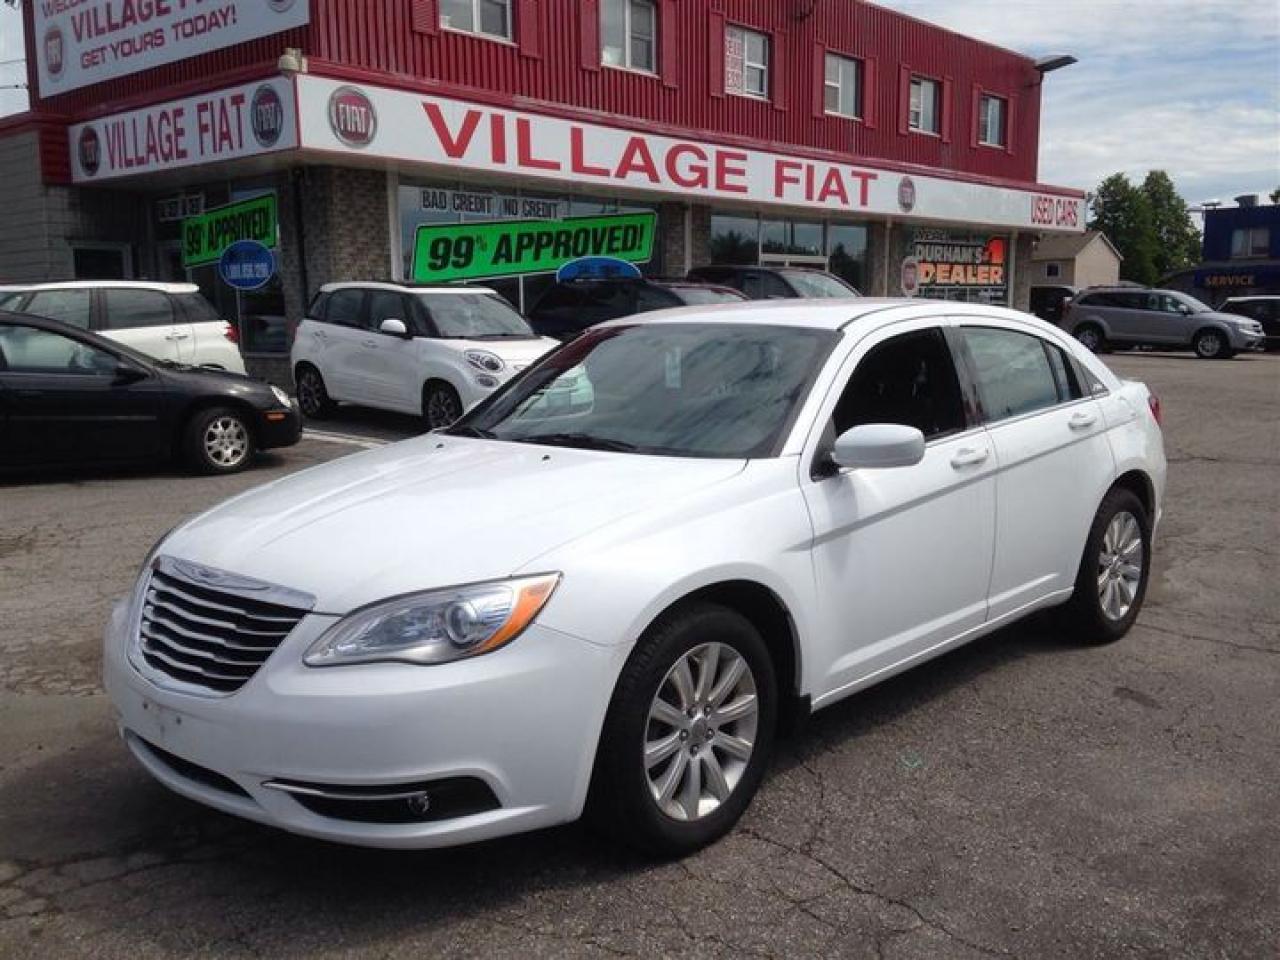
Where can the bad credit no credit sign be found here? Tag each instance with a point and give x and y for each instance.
(472, 251)
(204, 238)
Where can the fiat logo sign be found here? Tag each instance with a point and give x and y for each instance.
(266, 114)
(352, 117)
(90, 151)
(907, 194)
(53, 52)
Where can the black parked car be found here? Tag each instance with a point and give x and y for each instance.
(774, 283)
(70, 397)
(1264, 309)
(1048, 301)
(571, 306)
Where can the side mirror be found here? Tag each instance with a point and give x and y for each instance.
(1184, 310)
(878, 445)
(125, 374)
(394, 326)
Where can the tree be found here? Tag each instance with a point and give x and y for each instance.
(1275, 195)
(1176, 237)
(1123, 213)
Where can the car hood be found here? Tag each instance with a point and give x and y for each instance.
(430, 512)
(1232, 318)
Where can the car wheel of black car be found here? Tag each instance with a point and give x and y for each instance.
(689, 732)
(1210, 344)
(441, 405)
(1114, 569)
(313, 397)
(218, 440)
(1092, 337)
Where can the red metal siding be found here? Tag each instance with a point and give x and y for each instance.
(555, 62)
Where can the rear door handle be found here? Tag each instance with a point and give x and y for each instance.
(970, 457)
(1079, 421)
(176, 336)
(368, 343)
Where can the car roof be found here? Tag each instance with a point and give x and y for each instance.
(1253, 296)
(101, 284)
(404, 287)
(824, 314)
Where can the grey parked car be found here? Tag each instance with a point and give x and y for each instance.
(1165, 319)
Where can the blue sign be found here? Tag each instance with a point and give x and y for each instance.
(598, 268)
(246, 265)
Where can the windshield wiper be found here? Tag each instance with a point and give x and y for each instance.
(581, 440)
(465, 430)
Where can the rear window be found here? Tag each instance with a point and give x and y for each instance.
(69, 306)
(699, 295)
(131, 309)
(810, 283)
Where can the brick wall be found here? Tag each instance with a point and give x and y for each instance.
(26, 246)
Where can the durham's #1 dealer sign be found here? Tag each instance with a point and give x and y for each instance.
(79, 42)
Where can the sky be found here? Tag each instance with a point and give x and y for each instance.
(1187, 86)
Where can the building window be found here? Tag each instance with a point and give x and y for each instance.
(843, 93)
(488, 18)
(1053, 270)
(1250, 242)
(746, 63)
(925, 114)
(628, 34)
(991, 121)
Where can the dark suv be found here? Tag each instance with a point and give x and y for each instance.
(1264, 309)
(571, 306)
(775, 283)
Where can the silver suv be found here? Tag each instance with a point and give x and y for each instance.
(1165, 319)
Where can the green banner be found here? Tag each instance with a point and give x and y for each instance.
(206, 236)
(507, 248)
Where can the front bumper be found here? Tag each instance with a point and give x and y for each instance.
(523, 720)
(279, 427)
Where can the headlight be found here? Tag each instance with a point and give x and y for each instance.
(281, 396)
(437, 626)
(484, 360)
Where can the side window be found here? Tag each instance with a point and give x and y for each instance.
(196, 308)
(775, 286)
(69, 306)
(612, 299)
(910, 379)
(386, 305)
(654, 298)
(344, 307)
(1089, 380)
(317, 308)
(1013, 370)
(1064, 373)
(31, 350)
(130, 309)
(752, 284)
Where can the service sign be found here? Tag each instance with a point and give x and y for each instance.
(207, 236)
(506, 248)
(81, 42)
(455, 135)
(224, 125)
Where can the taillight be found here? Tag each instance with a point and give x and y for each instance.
(232, 333)
(1154, 403)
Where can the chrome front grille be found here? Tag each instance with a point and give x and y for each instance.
(205, 628)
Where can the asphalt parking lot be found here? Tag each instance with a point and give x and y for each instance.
(1020, 797)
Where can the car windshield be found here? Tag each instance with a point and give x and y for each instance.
(699, 295)
(810, 283)
(475, 316)
(672, 389)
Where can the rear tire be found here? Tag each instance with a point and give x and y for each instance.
(1210, 344)
(1092, 337)
(441, 405)
(1111, 583)
(313, 396)
(218, 440)
(689, 733)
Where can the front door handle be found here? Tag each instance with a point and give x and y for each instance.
(970, 457)
(1080, 421)
(368, 343)
(177, 336)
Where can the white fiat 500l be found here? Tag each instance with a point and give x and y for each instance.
(610, 597)
(428, 351)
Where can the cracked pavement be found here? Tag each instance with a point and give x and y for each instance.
(1021, 797)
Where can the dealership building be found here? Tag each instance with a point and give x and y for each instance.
(493, 140)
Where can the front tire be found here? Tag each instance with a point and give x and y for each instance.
(218, 440)
(689, 733)
(1211, 344)
(1111, 583)
(441, 405)
(1092, 338)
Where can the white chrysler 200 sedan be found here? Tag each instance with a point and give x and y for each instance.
(609, 598)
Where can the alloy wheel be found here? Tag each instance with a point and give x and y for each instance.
(1090, 339)
(226, 441)
(310, 392)
(443, 408)
(1120, 566)
(701, 731)
(1209, 344)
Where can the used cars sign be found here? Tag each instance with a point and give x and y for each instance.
(470, 251)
